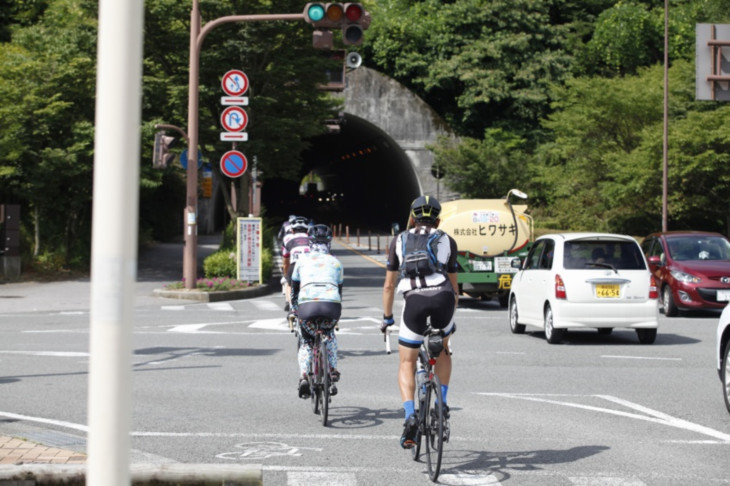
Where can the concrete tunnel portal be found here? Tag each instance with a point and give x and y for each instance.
(368, 173)
(362, 178)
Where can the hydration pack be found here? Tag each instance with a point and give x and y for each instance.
(419, 254)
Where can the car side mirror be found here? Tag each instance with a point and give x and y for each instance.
(654, 260)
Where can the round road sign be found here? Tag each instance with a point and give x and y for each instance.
(233, 163)
(235, 82)
(234, 119)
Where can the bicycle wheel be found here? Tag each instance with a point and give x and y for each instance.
(434, 437)
(422, 410)
(314, 386)
(324, 380)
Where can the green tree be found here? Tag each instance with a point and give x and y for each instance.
(47, 87)
(486, 168)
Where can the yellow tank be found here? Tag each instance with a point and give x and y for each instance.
(487, 227)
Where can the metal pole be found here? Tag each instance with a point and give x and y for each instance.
(665, 142)
(114, 239)
(190, 214)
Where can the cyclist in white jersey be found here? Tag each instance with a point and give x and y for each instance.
(317, 293)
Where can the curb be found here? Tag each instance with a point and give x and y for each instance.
(141, 474)
(216, 296)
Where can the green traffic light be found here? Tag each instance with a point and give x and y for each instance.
(315, 12)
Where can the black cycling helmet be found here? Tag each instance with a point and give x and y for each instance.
(299, 225)
(425, 209)
(320, 233)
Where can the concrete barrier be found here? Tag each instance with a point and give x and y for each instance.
(177, 474)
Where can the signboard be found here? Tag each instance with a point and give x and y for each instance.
(234, 119)
(248, 239)
(233, 163)
(235, 83)
(184, 159)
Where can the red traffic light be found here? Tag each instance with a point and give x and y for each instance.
(353, 12)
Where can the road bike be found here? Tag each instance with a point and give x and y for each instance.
(319, 373)
(433, 425)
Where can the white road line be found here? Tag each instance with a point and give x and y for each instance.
(59, 423)
(611, 356)
(55, 354)
(220, 306)
(320, 478)
(605, 481)
(653, 415)
(267, 305)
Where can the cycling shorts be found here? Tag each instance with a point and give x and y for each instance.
(317, 309)
(438, 303)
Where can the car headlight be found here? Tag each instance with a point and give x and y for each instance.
(686, 277)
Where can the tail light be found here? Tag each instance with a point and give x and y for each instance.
(559, 288)
(653, 294)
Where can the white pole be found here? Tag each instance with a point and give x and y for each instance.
(114, 239)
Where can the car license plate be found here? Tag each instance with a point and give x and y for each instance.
(607, 291)
(723, 295)
(480, 266)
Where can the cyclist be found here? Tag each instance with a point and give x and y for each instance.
(317, 293)
(294, 244)
(431, 295)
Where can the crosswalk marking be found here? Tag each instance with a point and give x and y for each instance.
(321, 479)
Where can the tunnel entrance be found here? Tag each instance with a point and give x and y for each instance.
(361, 177)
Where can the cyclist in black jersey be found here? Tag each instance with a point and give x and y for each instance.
(430, 295)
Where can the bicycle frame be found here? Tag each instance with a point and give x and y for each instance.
(431, 421)
(319, 373)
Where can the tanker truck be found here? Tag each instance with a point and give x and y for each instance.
(490, 234)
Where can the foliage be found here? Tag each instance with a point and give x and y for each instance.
(486, 168)
(220, 264)
(479, 63)
(212, 284)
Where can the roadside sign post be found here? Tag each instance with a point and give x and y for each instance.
(197, 35)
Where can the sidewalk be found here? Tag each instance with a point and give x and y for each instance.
(17, 451)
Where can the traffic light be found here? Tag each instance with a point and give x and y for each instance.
(161, 155)
(355, 23)
(324, 15)
(351, 18)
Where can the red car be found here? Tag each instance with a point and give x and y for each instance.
(692, 269)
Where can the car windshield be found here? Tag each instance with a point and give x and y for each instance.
(592, 254)
(685, 248)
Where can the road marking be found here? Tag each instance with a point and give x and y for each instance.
(611, 356)
(605, 481)
(267, 305)
(55, 354)
(220, 306)
(59, 423)
(650, 414)
(320, 478)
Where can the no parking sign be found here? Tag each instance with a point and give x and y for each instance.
(234, 163)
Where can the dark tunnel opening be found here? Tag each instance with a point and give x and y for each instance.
(363, 179)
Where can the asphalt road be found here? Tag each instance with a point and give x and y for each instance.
(216, 383)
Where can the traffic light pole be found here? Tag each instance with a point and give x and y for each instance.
(197, 35)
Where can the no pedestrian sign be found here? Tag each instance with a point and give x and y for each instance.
(235, 83)
(233, 163)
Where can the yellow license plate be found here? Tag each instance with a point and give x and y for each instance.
(608, 291)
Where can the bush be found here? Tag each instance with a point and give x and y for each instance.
(220, 264)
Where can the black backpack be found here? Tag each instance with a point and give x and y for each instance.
(419, 254)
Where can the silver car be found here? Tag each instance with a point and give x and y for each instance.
(584, 280)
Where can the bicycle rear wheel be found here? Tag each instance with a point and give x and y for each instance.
(324, 379)
(422, 410)
(434, 437)
(314, 386)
